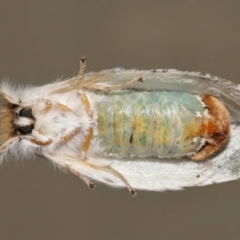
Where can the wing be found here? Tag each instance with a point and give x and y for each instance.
(164, 174)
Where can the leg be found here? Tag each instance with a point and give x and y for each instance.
(42, 141)
(89, 137)
(69, 167)
(109, 169)
(115, 87)
(78, 82)
(89, 183)
(83, 64)
(60, 106)
(69, 136)
(27, 137)
(48, 106)
(72, 160)
(86, 103)
(39, 139)
(63, 108)
(86, 143)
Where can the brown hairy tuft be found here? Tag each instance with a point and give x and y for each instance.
(6, 123)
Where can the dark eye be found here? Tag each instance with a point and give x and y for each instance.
(26, 112)
(26, 129)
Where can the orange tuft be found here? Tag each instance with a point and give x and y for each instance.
(215, 127)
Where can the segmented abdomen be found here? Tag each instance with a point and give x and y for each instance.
(145, 124)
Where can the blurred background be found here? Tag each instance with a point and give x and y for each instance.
(41, 41)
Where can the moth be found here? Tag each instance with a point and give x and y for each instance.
(148, 130)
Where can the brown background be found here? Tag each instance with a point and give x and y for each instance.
(44, 40)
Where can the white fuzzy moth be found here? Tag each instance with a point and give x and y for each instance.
(148, 130)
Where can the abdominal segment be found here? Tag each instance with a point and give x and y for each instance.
(150, 124)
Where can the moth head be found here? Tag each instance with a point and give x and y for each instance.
(15, 121)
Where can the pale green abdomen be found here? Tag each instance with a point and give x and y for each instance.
(141, 124)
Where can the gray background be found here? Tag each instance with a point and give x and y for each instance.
(44, 40)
